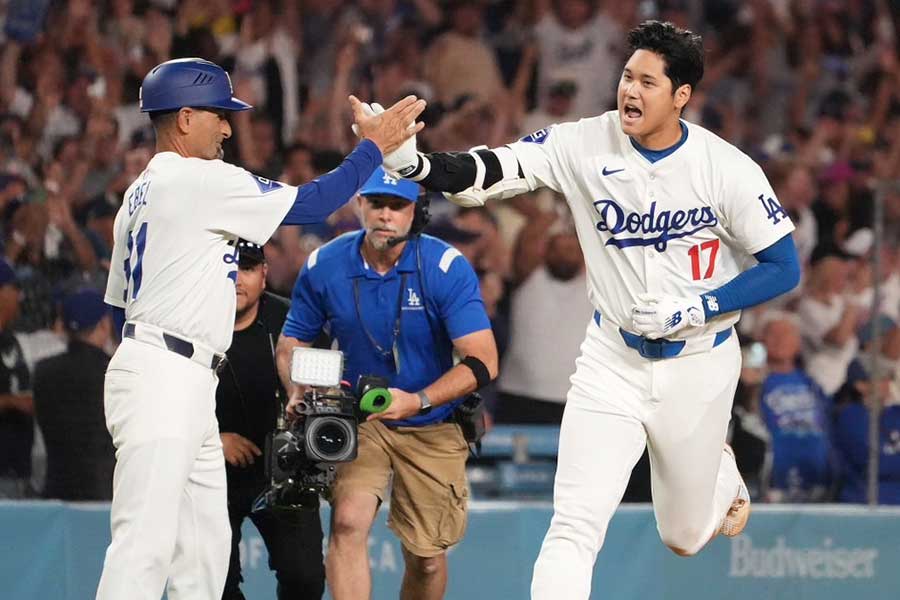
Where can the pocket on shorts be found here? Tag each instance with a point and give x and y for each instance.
(452, 526)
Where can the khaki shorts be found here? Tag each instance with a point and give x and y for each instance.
(429, 492)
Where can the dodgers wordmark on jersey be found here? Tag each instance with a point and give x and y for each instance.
(683, 225)
(174, 261)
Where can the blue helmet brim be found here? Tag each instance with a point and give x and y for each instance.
(234, 104)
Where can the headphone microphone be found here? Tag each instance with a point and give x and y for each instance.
(421, 218)
(399, 240)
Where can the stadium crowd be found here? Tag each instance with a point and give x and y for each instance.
(809, 88)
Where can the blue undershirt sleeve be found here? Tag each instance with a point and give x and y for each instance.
(322, 196)
(778, 272)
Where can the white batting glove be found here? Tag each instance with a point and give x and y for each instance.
(401, 161)
(660, 315)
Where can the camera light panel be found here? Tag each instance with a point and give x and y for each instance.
(312, 366)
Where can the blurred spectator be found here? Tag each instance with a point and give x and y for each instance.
(796, 189)
(68, 404)
(832, 208)
(581, 43)
(267, 55)
(298, 165)
(490, 252)
(851, 430)
(556, 107)
(46, 247)
(463, 240)
(862, 279)
(101, 216)
(455, 55)
(16, 408)
(468, 121)
(797, 415)
(828, 323)
(534, 376)
(747, 434)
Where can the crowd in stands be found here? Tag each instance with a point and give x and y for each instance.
(809, 88)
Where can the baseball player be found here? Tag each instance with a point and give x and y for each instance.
(173, 270)
(680, 231)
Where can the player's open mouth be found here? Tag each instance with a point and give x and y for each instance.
(632, 113)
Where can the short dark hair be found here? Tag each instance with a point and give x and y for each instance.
(681, 49)
(163, 118)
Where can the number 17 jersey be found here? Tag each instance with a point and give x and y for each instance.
(174, 259)
(683, 225)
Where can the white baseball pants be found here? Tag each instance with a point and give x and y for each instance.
(169, 511)
(619, 403)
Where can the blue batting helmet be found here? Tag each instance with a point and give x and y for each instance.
(188, 82)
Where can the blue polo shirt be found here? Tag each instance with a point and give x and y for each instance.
(437, 304)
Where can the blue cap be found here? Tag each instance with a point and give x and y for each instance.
(83, 309)
(382, 184)
(7, 274)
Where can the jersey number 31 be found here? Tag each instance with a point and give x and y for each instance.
(133, 275)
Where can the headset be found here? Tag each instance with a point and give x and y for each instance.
(421, 218)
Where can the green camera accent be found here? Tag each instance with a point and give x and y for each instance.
(375, 400)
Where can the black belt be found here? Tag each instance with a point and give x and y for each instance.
(180, 346)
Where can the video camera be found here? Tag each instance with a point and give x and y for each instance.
(301, 456)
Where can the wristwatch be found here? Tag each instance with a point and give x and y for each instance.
(424, 403)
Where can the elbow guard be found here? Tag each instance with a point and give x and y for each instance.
(510, 183)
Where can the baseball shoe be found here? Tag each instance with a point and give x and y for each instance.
(736, 519)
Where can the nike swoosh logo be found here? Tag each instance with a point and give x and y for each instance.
(608, 172)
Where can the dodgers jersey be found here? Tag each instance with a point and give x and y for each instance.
(174, 258)
(683, 225)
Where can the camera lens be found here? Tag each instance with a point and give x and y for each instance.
(330, 439)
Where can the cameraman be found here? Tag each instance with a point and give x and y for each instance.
(399, 304)
(247, 408)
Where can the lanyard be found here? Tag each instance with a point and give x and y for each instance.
(394, 352)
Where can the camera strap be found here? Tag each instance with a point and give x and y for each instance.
(394, 352)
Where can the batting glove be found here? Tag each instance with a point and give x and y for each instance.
(660, 315)
(403, 160)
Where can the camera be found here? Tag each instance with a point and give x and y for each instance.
(301, 457)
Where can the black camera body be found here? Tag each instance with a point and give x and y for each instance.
(324, 434)
(301, 457)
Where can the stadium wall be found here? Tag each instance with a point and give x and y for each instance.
(54, 550)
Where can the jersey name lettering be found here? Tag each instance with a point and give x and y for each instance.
(665, 223)
(138, 196)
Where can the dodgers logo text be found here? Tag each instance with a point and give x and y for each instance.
(653, 228)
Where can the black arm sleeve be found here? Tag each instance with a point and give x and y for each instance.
(455, 171)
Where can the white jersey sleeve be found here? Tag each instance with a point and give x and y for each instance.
(749, 206)
(241, 203)
(542, 156)
(116, 284)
